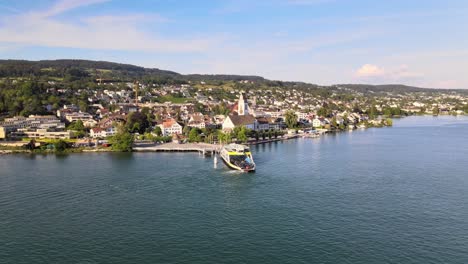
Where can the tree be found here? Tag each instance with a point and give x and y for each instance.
(372, 112)
(256, 135)
(157, 130)
(334, 123)
(270, 134)
(389, 122)
(83, 106)
(324, 111)
(388, 112)
(436, 110)
(242, 134)
(224, 137)
(186, 130)
(137, 122)
(78, 127)
(193, 135)
(147, 112)
(122, 140)
(291, 119)
(60, 145)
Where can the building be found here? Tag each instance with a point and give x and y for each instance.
(75, 116)
(45, 133)
(99, 132)
(170, 127)
(242, 106)
(2, 132)
(263, 123)
(90, 123)
(18, 126)
(115, 119)
(275, 114)
(33, 121)
(197, 120)
(233, 121)
(318, 122)
(302, 116)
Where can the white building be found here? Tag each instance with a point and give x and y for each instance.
(233, 121)
(170, 127)
(318, 122)
(71, 117)
(99, 132)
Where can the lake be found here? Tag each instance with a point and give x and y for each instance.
(383, 195)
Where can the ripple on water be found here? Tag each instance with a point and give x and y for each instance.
(395, 195)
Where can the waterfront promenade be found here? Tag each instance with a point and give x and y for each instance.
(187, 147)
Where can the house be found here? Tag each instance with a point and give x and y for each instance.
(100, 132)
(111, 120)
(302, 116)
(219, 119)
(90, 123)
(170, 127)
(197, 120)
(233, 121)
(318, 122)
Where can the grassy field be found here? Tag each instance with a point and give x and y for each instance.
(57, 79)
(172, 99)
(49, 140)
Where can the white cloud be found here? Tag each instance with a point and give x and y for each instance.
(374, 74)
(125, 19)
(66, 5)
(106, 32)
(370, 70)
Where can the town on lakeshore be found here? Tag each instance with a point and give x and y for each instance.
(79, 108)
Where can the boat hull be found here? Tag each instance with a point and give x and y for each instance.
(234, 167)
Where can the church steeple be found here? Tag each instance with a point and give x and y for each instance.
(242, 106)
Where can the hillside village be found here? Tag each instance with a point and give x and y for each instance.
(261, 112)
(87, 112)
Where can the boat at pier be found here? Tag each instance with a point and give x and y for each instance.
(238, 157)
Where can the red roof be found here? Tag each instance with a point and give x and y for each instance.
(168, 123)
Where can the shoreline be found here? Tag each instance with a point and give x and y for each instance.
(141, 146)
(204, 148)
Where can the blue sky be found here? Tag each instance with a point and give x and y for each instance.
(416, 42)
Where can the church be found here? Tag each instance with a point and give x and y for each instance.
(241, 116)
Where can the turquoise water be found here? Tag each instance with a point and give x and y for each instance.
(389, 195)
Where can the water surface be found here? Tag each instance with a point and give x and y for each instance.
(389, 195)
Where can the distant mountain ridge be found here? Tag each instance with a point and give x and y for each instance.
(386, 88)
(19, 68)
(120, 71)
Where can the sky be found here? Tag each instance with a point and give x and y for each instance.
(419, 42)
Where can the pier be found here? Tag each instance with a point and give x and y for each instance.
(203, 148)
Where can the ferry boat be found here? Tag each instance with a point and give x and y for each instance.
(238, 157)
